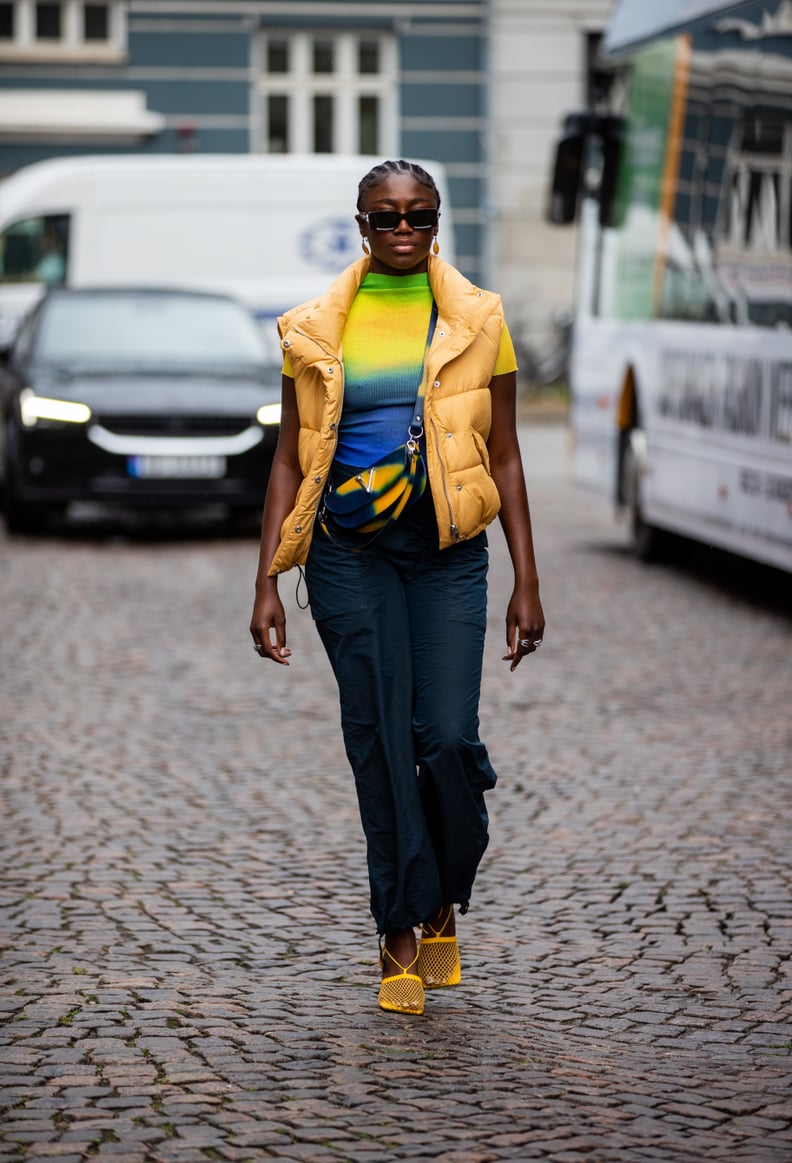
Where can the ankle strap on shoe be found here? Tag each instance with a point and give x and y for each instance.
(429, 928)
(385, 950)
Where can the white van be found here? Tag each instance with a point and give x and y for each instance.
(271, 230)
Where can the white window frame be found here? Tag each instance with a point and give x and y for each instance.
(71, 46)
(345, 85)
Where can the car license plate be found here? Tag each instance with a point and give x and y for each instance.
(177, 467)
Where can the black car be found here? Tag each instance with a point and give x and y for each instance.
(137, 398)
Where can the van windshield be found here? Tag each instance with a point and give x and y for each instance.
(162, 330)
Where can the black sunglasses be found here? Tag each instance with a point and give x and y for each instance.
(390, 219)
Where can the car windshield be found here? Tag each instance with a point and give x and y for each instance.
(164, 331)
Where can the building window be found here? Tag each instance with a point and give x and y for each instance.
(323, 56)
(49, 22)
(277, 123)
(96, 22)
(323, 109)
(6, 21)
(368, 57)
(368, 121)
(70, 29)
(327, 93)
(277, 56)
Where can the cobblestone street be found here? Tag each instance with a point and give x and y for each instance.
(189, 967)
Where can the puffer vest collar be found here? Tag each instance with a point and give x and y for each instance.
(462, 310)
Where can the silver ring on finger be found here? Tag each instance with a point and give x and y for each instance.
(526, 642)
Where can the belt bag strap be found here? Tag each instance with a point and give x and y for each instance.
(415, 430)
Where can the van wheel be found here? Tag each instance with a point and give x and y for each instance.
(647, 542)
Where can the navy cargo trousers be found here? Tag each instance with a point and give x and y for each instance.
(403, 624)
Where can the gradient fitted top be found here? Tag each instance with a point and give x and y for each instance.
(383, 349)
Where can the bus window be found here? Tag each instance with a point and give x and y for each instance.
(755, 228)
(35, 250)
(728, 243)
(760, 186)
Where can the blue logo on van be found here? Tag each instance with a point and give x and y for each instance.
(331, 244)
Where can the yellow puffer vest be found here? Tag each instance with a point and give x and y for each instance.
(457, 408)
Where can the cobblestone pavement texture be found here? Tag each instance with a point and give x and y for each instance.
(189, 967)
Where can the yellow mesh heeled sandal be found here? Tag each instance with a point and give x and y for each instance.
(438, 956)
(403, 992)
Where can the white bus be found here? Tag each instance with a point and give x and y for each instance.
(272, 230)
(681, 370)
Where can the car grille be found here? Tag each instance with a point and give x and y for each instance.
(175, 425)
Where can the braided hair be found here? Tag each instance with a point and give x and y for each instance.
(384, 170)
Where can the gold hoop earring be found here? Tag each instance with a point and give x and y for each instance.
(435, 246)
(365, 248)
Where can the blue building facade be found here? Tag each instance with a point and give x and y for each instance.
(237, 76)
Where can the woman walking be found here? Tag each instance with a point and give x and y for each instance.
(398, 446)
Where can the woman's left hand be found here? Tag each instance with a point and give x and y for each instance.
(525, 625)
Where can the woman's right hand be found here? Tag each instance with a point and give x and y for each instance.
(269, 618)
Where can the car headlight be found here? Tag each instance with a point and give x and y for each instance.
(269, 414)
(34, 408)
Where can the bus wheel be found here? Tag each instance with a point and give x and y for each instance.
(647, 541)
